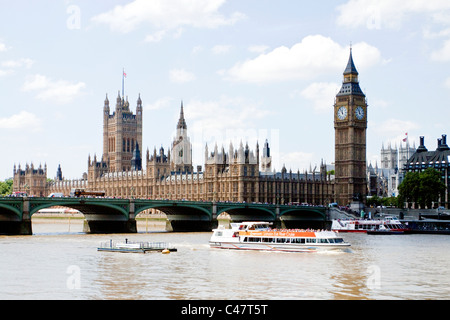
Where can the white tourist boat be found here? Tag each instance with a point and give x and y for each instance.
(388, 225)
(260, 236)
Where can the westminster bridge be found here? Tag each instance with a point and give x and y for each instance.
(106, 215)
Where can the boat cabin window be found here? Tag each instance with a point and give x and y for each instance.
(252, 239)
(283, 240)
(218, 233)
(310, 240)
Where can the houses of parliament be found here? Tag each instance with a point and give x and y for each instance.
(237, 174)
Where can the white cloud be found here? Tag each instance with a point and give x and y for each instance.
(24, 62)
(181, 76)
(60, 91)
(156, 37)
(3, 47)
(395, 128)
(6, 72)
(428, 34)
(167, 15)
(313, 56)
(258, 49)
(22, 120)
(377, 14)
(10, 66)
(321, 94)
(160, 104)
(223, 121)
(197, 49)
(221, 49)
(442, 54)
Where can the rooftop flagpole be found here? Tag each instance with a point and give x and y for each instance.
(123, 82)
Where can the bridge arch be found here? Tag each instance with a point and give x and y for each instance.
(85, 207)
(303, 217)
(307, 213)
(175, 208)
(10, 212)
(242, 212)
(182, 216)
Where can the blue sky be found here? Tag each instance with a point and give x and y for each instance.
(245, 70)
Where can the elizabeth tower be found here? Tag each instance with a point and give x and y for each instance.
(350, 125)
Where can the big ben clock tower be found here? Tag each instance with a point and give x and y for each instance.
(350, 125)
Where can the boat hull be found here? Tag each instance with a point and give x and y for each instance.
(139, 247)
(386, 232)
(275, 247)
(132, 250)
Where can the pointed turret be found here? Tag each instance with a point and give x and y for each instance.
(350, 69)
(182, 121)
(106, 101)
(350, 85)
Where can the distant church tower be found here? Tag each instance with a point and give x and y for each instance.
(389, 157)
(181, 160)
(350, 124)
(122, 131)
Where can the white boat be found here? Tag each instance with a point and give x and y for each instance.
(383, 226)
(259, 236)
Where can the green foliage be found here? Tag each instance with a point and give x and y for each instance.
(422, 188)
(376, 201)
(6, 187)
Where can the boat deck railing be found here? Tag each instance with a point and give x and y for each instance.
(137, 245)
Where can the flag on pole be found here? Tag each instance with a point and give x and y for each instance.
(406, 138)
(124, 74)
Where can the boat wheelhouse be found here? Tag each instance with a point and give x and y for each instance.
(260, 236)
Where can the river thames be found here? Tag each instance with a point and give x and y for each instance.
(60, 262)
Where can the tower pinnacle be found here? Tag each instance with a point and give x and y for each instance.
(182, 121)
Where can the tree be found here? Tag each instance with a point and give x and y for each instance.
(6, 187)
(409, 189)
(431, 187)
(422, 188)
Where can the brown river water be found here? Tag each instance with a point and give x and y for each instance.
(59, 261)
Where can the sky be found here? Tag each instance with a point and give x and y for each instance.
(245, 70)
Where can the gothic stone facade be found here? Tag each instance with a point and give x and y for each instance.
(226, 176)
(32, 180)
(238, 175)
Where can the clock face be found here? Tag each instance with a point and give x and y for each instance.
(342, 113)
(359, 113)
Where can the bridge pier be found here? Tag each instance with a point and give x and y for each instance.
(16, 228)
(20, 224)
(99, 226)
(111, 222)
(191, 225)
